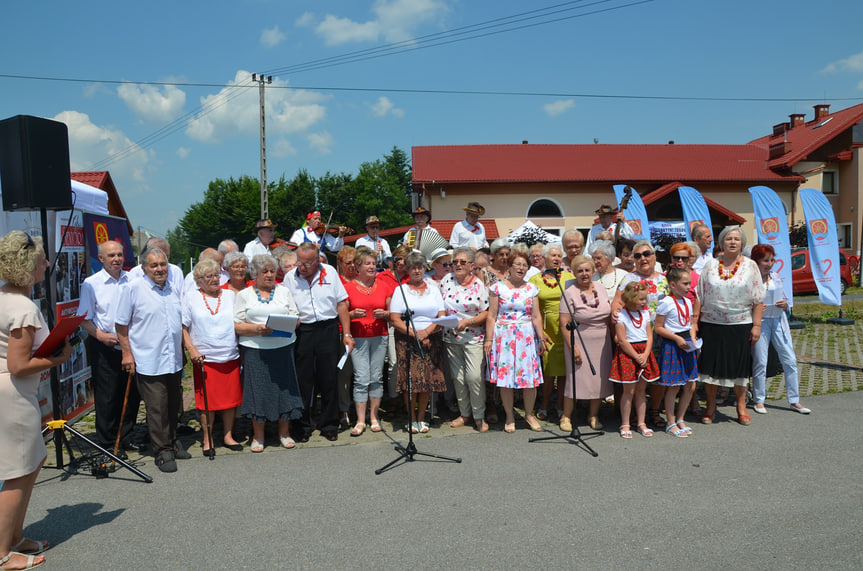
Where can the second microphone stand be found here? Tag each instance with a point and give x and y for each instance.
(408, 452)
(575, 434)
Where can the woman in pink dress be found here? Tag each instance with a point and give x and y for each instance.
(591, 310)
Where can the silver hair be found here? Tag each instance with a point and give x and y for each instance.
(261, 262)
(546, 250)
(232, 257)
(603, 247)
(471, 255)
(415, 259)
(728, 229)
(698, 231)
(499, 244)
(694, 250)
(643, 242)
(227, 246)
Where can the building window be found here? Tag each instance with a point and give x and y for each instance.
(544, 208)
(844, 232)
(830, 182)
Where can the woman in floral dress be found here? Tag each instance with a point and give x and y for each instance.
(515, 339)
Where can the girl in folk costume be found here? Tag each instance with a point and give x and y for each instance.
(675, 319)
(634, 364)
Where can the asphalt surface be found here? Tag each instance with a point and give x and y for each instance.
(783, 492)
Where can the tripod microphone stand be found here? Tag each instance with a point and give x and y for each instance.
(408, 452)
(575, 434)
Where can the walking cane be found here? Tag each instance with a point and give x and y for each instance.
(122, 415)
(209, 430)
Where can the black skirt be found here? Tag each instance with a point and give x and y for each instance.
(727, 352)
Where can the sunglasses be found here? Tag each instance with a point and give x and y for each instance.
(639, 255)
(680, 258)
(446, 264)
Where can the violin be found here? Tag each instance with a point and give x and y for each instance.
(279, 242)
(332, 229)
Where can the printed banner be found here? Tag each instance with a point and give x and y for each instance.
(823, 245)
(636, 215)
(695, 210)
(772, 227)
(99, 228)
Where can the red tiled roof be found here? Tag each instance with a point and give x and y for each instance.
(665, 189)
(591, 163)
(102, 180)
(809, 137)
(444, 228)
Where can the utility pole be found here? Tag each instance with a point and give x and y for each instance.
(262, 81)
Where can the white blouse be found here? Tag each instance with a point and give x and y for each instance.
(212, 334)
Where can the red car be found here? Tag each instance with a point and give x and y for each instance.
(801, 271)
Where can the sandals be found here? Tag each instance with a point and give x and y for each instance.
(458, 422)
(656, 418)
(708, 417)
(30, 559)
(256, 447)
(287, 442)
(744, 419)
(415, 428)
(376, 426)
(509, 427)
(594, 423)
(533, 424)
(682, 425)
(358, 429)
(625, 432)
(482, 425)
(673, 430)
(40, 547)
(424, 427)
(645, 431)
(565, 424)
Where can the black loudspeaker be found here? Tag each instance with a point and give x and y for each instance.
(34, 164)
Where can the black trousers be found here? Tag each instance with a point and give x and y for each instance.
(162, 397)
(317, 356)
(109, 388)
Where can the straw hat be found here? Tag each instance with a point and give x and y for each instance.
(474, 208)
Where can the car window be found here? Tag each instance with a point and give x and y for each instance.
(842, 260)
(798, 261)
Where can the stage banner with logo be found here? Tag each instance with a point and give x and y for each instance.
(636, 215)
(823, 245)
(694, 209)
(99, 228)
(772, 228)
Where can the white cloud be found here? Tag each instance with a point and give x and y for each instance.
(90, 143)
(183, 152)
(558, 107)
(272, 37)
(307, 20)
(233, 111)
(853, 63)
(383, 106)
(281, 149)
(321, 142)
(394, 21)
(156, 104)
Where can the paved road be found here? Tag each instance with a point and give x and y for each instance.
(784, 493)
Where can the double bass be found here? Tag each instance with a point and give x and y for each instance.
(624, 202)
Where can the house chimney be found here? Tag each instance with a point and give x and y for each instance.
(524, 142)
(797, 119)
(822, 110)
(780, 129)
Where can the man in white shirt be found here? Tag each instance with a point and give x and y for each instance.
(422, 217)
(309, 233)
(702, 236)
(175, 274)
(374, 242)
(100, 294)
(149, 329)
(266, 233)
(226, 247)
(469, 232)
(608, 223)
(322, 302)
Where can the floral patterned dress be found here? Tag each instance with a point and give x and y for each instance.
(514, 360)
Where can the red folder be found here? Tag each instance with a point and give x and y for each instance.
(65, 328)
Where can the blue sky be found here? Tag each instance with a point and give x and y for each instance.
(773, 57)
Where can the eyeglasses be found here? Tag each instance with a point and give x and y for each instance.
(459, 262)
(212, 277)
(238, 267)
(680, 258)
(520, 266)
(307, 264)
(639, 255)
(446, 264)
